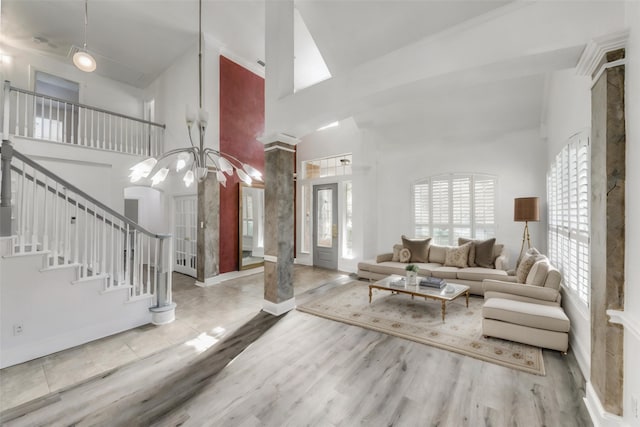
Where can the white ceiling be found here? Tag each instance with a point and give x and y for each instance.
(136, 40)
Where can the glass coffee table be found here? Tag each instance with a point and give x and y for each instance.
(396, 285)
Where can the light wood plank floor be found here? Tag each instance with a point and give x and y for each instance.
(299, 370)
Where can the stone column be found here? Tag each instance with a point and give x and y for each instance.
(208, 256)
(279, 188)
(607, 233)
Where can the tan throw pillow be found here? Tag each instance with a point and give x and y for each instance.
(530, 257)
(396, 253)
(484, 252)
(472, 251)
(405, 255)
(419, 248)
(458, 256)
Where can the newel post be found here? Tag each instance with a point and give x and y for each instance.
(5, 191)
(164, 310)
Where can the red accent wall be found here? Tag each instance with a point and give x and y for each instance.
(241, 122)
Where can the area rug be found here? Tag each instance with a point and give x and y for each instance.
(421, 321)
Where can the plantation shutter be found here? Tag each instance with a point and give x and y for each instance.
(421, 209)
(461, 207)
(484, 201)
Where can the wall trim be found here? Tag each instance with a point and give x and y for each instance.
(599, 416)
(620, 317)
(279, 147)
(270, 258)
(278, 308)
(596, 49)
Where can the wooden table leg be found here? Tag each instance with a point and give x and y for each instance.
(443, 310)
(369, 295)
(467, 299)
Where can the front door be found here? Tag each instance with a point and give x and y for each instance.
(325, 226)
(185, 235)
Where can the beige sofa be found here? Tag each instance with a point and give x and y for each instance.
(383, 266)
(527, 312)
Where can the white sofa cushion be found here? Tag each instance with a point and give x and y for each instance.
(548, 317)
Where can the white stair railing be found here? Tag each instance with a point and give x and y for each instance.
(33, 115)
(48, 215)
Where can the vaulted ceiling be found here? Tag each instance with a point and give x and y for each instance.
(392, 61)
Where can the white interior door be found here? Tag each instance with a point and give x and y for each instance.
(185, 243)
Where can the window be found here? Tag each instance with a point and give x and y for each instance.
(446, 207)
(347, 246)
(568, 198)
(328, 166)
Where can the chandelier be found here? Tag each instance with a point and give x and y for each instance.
(195, 159)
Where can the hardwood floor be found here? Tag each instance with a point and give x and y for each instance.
(298, 369)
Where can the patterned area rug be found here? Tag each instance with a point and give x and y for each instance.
(421, 321)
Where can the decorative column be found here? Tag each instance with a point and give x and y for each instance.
(208, 258)
(608, 231)
(279, 159)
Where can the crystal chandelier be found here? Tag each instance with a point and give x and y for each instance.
(195, 159)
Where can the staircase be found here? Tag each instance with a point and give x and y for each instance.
(72, 270)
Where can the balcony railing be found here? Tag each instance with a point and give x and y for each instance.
(32, 115)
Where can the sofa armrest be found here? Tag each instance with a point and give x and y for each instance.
(529, 291)
(502, 263)
(384, 257)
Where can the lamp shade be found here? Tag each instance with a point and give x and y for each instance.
(526, 209)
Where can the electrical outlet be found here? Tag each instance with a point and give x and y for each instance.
(634, 407)
(17, 329)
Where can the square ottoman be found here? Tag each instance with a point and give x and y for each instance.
(534, 324)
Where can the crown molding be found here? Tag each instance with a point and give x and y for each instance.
(279, 137)
(596, 49)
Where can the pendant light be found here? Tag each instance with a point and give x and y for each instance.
(82, 59)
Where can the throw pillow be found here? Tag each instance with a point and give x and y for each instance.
(530, 257)
(484, 253)
(472, 251)
(481, 252)
(419, 248)
(458, 256)
(396, 253)
(405, 255)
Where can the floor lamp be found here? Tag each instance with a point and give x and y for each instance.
(525, 209)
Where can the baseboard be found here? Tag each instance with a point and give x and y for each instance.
(599, 416)
(582, 357)
(278, 308)
(216, 280)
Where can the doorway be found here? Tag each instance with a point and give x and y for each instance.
(325, 229)
(185, 235)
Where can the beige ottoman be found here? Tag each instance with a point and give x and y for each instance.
(535, 324)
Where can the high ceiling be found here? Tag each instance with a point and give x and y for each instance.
(434, 64)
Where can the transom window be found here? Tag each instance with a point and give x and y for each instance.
(449, 206)
(568, 198)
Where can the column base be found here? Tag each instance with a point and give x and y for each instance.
(278, 308)
(599, 416)
(163, 315)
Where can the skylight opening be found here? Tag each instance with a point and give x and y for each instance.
(309, 66)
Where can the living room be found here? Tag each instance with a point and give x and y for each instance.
(484, 113)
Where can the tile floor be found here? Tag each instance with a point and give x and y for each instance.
(213, 311)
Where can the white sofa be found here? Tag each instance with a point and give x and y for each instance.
(383, 266)
(528, 312)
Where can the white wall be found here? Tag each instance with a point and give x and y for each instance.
(346, 138)
(632, 273)
(150, 208)
(568, 111)
(518, 160)
(95, 90)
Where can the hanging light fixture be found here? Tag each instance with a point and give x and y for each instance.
(82, 59)
(196, 158)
